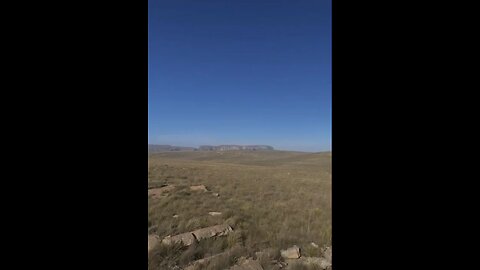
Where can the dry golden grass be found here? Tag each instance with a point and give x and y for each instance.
(272, 199)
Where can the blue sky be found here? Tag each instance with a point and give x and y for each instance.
(240, 72)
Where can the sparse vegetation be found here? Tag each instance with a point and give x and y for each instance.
(272, 199)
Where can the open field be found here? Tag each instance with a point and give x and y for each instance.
(271, 199)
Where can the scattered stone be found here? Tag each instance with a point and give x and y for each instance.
(216, 194)
(153, 241)
(175, 216)
(214, 213)
(314, 245)
(324, 262)
(291, 253)
(198, 188)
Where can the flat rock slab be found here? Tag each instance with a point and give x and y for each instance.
(153, 241)
(198, 188)
(247, 264)
(190, 237)
(217, 230)
(158, 192)
(214, 213)
(291, 253)
(185, 238)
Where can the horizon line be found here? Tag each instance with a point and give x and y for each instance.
(274, 148)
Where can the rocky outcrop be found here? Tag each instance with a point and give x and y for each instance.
(197, 235)
(218, 230)
(185, 238)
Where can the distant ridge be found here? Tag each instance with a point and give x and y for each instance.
(234, 147)
(164, 148)
(230, 147)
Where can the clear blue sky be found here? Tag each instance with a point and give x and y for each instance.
(240, 72)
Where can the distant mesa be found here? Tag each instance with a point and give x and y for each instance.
(164, 148)
(234, 147)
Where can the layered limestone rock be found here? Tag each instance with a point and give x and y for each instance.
(197, 235)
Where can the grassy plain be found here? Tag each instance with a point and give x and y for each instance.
(272, 199)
